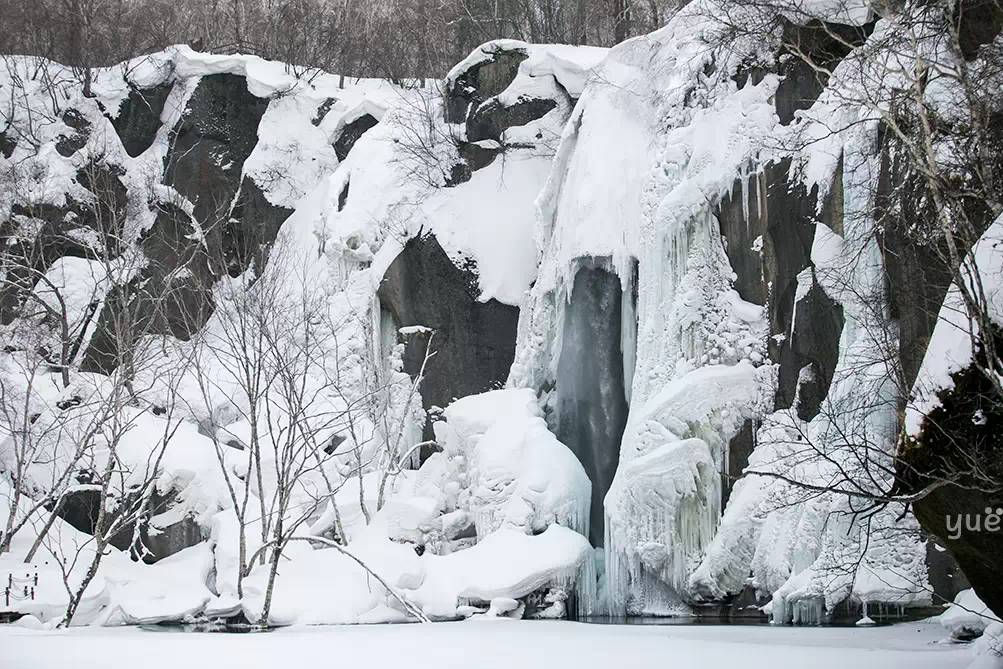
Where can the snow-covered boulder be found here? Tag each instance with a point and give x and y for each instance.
(517, 474)
(967, 617)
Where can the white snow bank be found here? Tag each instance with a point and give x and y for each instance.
(506, 563)
(490, 218)
(495, 645)
(989, 648)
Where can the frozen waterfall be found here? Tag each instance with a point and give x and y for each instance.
(591, 396)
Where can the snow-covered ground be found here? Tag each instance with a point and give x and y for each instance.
(489, 644)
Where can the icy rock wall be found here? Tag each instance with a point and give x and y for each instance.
(830, 327)
(175, 177)
(184, 163)
(748, 321)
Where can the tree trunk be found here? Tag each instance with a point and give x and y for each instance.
(44, 531)
(92, 571)
(621, 20)
(8, 532)
(273, 569)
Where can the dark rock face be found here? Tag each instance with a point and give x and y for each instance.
(824, 44)
(918, 280)
(916, 257)
(139, 117)
(252, 227)
(482, 82)
(79, 508)
(343, 196)
(351, 133)
(61, 233)
(768, 248)
(474, 342)
(492, 118)
(7, 144)
(160, 300)
(322, 111)
(743, 237)
(978, 23)
(172, 295)
(67, 145)
(818, 323)
(963, 440)
(473, 157)
(740, 447)
(808, 52)
(217, 132)
(478, 156)
(946, 577)
(591, 403)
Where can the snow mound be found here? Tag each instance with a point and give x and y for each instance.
(967, 617)
(519, 475)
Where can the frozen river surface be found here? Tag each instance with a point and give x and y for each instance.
(488, 645)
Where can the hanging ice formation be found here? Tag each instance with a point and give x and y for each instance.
(689, 369)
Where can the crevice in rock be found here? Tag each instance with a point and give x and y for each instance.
(474, 341)
(351, 133)
(138, 117)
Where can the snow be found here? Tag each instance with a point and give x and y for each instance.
(493, 644)
(505, 564)
(989, 648)
(967, 616)
(490, 217)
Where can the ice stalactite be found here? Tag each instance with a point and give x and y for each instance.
(588, 598)
(628, 331)
(663, 508)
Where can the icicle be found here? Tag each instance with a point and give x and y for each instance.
(588, 602)
(628, 335)
(760, 193)
(744, 178)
